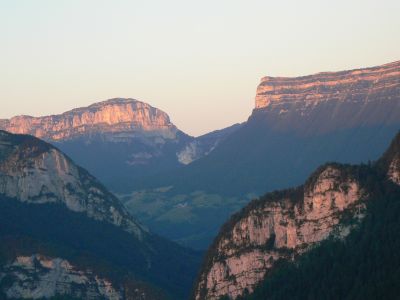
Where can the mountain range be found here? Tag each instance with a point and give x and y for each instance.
(66, 235)
(183, 187)
(131, 139)
(297, 124)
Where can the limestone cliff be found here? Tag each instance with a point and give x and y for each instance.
(38, 277)
(331, 101)
(115, 118)
(35, 172)
(280, 226)
(327, 86)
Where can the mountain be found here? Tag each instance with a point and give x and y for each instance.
(35, 172)
(300, 123)
(282, 246)
(297, 124)
(64, 234)
(114, 119)
(129, 138)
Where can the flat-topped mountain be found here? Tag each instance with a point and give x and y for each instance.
(298, 124)
(125, 117)
(361, 85)
(346, 116)
(331, 101)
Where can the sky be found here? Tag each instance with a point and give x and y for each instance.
(199, 61)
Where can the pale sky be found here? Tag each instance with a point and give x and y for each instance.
(200, 61)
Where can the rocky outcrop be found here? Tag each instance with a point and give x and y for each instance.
(116, 119)
(281, 225)
(33, 171)
(333, 100)
(394, 170)
(390, 161)
(205, 144)
(38, 277)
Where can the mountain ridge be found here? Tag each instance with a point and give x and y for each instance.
(270, 88)
(54, 209)
(114, 115)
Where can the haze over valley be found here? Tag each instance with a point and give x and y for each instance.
(207, 151)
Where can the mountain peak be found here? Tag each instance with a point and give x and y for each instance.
(118, 115)
(117, 102)
(358, 85)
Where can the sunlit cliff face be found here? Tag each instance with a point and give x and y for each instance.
(349, 86)
(111, 116)
(242, 256)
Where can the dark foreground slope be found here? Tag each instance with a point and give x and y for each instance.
(63, 234)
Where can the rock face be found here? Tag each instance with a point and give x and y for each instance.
(282, 226)
(37, 277)
(327, 86)
(390, 161)
(115, 118)
(35, 172)
(332, 100)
